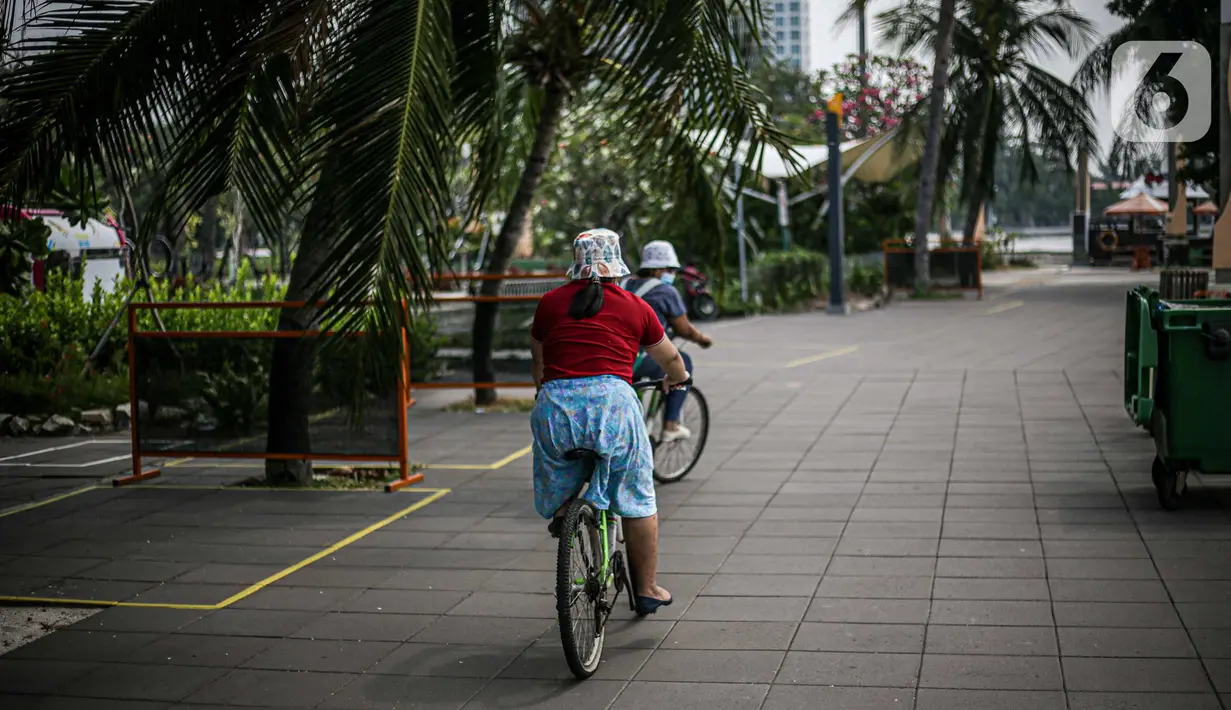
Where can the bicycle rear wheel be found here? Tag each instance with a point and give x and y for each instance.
(673, 460)
(579, 590)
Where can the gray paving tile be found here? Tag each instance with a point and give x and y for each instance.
(140, 682)
(252, 622)
(869, 611)
(1142, 675)
(296, 598)
(388, 692)
(881, 567)
(992, 640)
(197, 650)
(813, 697)
(438, 579)
(75, 645)
(1120, 590)
(35, 676)
(687, 696)
(1096, 549)
(731, 635)
(1143, 701)
(453, 661)
(774, 564)
(1205, 615)
(1212, 643)
(494, 631)
(990, 548)
(894, 670)
(1139, 643)
(1220, 674)
(934, 699)
(1190, 590)
(1157, 616)
(752, 585)
(972, 588)
(991, 567)
(710, 666)
(271, 689)
(320, 656)
(991, 613)
(991, 672)
(858, 638)
(404, 601)
(547, 662)
(886, 547)
(1115, 568)
(357, 626)
(876, 587)
(782, 546)
(747, 609)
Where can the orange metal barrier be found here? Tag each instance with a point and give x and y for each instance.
(900, 268)
(139, 473)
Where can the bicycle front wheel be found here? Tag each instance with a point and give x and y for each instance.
(673, 460)
(579, 589)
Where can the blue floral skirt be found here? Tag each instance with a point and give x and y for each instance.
(602, 414)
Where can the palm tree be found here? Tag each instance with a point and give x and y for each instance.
(355, 110)
(1159, 20)
(661, 74)
(998, 95)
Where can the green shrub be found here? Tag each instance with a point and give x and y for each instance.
(789, 278)
(64, 390)
(864, 280)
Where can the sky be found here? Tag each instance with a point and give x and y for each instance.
(829, 48)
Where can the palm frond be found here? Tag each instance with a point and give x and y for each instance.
(385, 131)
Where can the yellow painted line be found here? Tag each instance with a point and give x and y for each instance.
(1004, 307)
(437, 495)
(483, 467)
(823, 356)
(63, 601)
(48, 501)
(276, 489)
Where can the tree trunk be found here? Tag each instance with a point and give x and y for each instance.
(931, 148)
(972, 221)
(207, 237)
(290, 375)
(514, 223)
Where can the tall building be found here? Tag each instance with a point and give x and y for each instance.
(788, 32)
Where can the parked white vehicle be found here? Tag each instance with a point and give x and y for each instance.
(99, 244)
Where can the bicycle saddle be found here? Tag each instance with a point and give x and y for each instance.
(581, 455)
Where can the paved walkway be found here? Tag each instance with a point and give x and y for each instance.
(938, 506)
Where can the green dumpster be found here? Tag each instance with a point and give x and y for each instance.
(1140, 357)
(1191, 393)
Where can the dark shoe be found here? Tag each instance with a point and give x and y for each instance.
(554, 527)
(649, 605)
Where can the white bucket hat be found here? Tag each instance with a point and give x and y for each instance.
(659, 255)
(596, 254)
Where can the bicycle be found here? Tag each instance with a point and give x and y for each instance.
(588, 567)
(675, 459)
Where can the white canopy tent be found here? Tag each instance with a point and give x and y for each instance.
(1160, 190)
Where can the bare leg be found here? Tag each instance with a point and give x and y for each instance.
(641, 539)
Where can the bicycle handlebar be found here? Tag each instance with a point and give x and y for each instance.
(657, 384)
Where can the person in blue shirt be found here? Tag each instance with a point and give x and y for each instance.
(653, 283)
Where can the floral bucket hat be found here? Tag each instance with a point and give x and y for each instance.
(596, 254)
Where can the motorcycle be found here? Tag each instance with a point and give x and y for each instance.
(697, 297)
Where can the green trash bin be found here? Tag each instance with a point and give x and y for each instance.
(1140, 357)
(1191, 396)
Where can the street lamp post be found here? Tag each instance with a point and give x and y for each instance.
(837, 231)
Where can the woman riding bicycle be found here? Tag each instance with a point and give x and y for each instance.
(585, 337)
(654, 284)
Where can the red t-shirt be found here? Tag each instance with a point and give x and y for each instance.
(605, 344)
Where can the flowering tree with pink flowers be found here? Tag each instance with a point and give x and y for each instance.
(870, 107)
